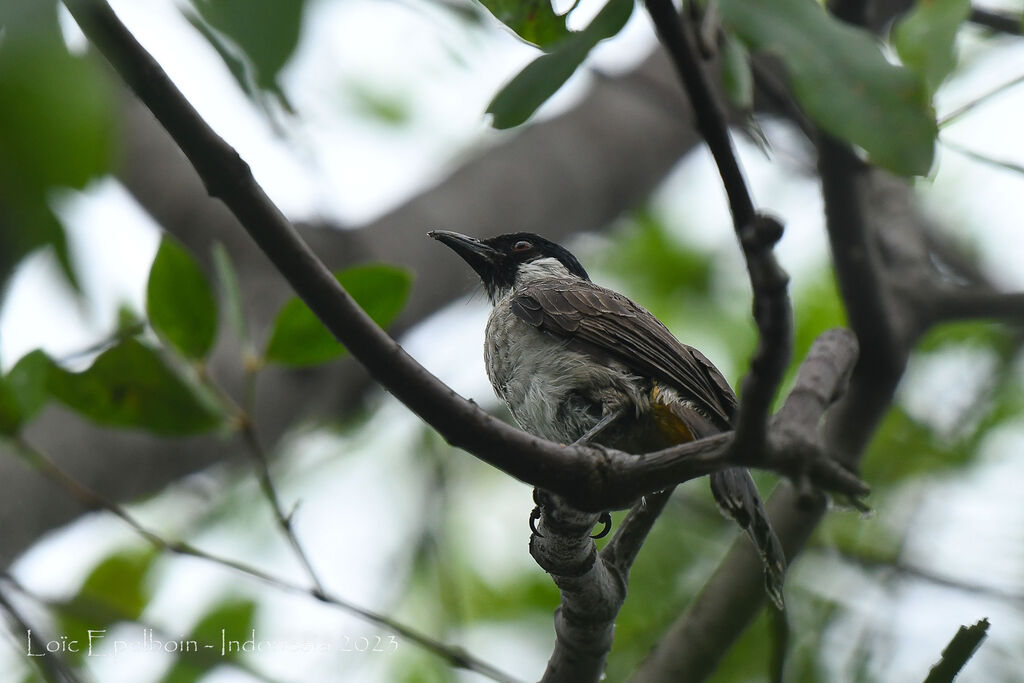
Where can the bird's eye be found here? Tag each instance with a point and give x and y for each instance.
(522, 245)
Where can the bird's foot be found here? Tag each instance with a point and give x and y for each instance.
(606, 520)
(534, 516)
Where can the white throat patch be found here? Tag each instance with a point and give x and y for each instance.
(544, 268)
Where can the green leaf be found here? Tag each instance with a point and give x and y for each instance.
(534, 21)
(114, 591)
(842, 80)
(56, 128)
(23, 391)
(542, 77)
(119, 582)
(300, 339)
(373, 102)
(231, 620)
(231, 293)
(10, 411)
(179, 301)
(130, 386)
(925, 38)
(737, 78)
(265, 31)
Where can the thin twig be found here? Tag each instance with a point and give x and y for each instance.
(954, 115)
(978, 304)
(757, 234)
(997, 21)
(622, 550)
(1011, 166)
(76, 609)
(709, 113)
(259, 457)
(247, 430)
(89, 499)
(49, 664)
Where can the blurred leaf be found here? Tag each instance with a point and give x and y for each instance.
(230, 292)
(237, 66)
(843, 81)
(867, 539)
(737, 78)
(179, 301)
(524, 596)
(373, 103)
(652, 262)
(10, 410)
(266, 32)
(973, 333)
(119, 582)
(518, 99)
(817, 307)
(534, 21)
(903, 448)
(229, 620)
(666, 575)
(129, 385)
(56, 129)
(300, 339)
(23, 391)
(748, 658)
(925, 38)
(115, 590)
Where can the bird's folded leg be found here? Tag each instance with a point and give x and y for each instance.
(602, 424)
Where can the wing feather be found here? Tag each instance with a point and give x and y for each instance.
(614, 326)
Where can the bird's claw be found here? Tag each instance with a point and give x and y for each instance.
(534, 516)
(606, 520)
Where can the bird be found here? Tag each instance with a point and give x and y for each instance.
(577, 363)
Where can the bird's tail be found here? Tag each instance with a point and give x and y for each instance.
(737, 496)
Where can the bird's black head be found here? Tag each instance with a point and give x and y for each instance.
(499, 260)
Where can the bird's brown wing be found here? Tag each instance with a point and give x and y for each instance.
(611, 324)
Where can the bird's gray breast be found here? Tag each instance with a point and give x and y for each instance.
(551, 389)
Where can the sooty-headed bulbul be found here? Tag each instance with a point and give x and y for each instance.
(578, 363)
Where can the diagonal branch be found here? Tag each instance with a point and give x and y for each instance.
(997, 21)
(757, 233)
(597, 480)
(732, 596)
(89, 499)
(977, 304)
(50, 665)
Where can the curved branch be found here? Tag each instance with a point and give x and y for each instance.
(598, 479)
(593, 585)
(757, 233)
(977, 304)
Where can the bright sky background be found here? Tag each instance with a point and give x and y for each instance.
(336, 163)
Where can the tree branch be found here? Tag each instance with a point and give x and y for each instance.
(855, 256)
(596, 479)
(711, 119)
(997, 21)
(733, 596)
(757, 233)
(956, 655)
(93, 501)
(977, 304)
(52, 666)
(593, 585)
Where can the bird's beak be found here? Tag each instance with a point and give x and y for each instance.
(477, 254)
